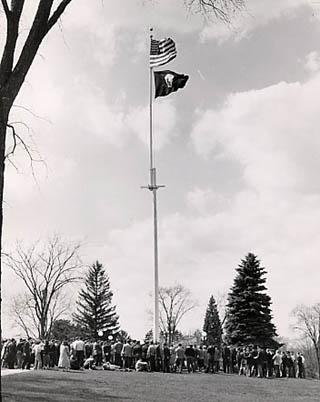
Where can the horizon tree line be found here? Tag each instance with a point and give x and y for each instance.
(48, 269)
(248, 313)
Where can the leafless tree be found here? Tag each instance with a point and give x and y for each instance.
(45, 272)
(23, 312)
(175, 302)
(222, 10)
(23, 315)
(308, 323)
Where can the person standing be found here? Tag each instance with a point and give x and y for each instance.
(57, 345)
(64, 358)
(211, 352)
(20, 353)
(79, 348)
(117, 353)
(11, 353)
(52, 352)
(216, 359)
(189, 353)
(106, 348)
(239, 356)
(226, 355)
(277, 363)
(270, 367)
(151, 356)
(233, 360)
(88, 348)
(166, 358)
(26, 355)
(126, 355)
(301, 368)
(259, 360)
(144, 351)
(245, 365)
(284, 367)
(180, 357)
(37, 349)
(172, 361)
(200, 358)
(290, 364)
(158, 357)
(46, 355)
(97, 353)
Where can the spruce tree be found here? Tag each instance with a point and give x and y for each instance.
(212, 324)
(95, 312)
(249, 318)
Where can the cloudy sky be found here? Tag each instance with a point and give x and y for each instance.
(238, 151)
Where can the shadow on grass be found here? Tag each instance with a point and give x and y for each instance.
(98, 386)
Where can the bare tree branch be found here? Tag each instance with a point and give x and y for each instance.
(45, 271)
(175, 303)
(13, 19)
(58, 12)
(32, 113)
(308, 323)
(6, 8)
(223, 10)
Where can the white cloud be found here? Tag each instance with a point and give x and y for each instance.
(312, 63)
(204, 201)
(272, 132)
(164, 118)
(256, 14)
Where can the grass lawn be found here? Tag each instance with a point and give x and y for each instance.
(91, 386)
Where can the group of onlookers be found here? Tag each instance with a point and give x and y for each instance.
(263, 362)
(149, 356)
(25, 353)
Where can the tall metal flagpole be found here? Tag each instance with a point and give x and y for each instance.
(153, 186)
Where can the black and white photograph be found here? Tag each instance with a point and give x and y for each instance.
(160, 200)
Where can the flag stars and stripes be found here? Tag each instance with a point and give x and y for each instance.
(162, 51)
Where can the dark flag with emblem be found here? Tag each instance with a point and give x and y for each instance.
(168, 81)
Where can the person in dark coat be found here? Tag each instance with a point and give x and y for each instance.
(11, 353)
(285, 363)
(233, 360)
(189, 352)
(301, 368)
(118, 349)
(259, 360)
(166, 359)
(211, 352)
(20, 353)
(52, 352)
(26, 350)
(226, 357)
(106, 348)
(270, 368)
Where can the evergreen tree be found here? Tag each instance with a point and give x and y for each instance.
(212, 324)
(64, 329)
(95, 312)
(248, 309)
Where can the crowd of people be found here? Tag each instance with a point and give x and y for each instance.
(130, 355)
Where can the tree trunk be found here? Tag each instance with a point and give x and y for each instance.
(4, 113)
(318, 360)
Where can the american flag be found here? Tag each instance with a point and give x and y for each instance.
(162, 51)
